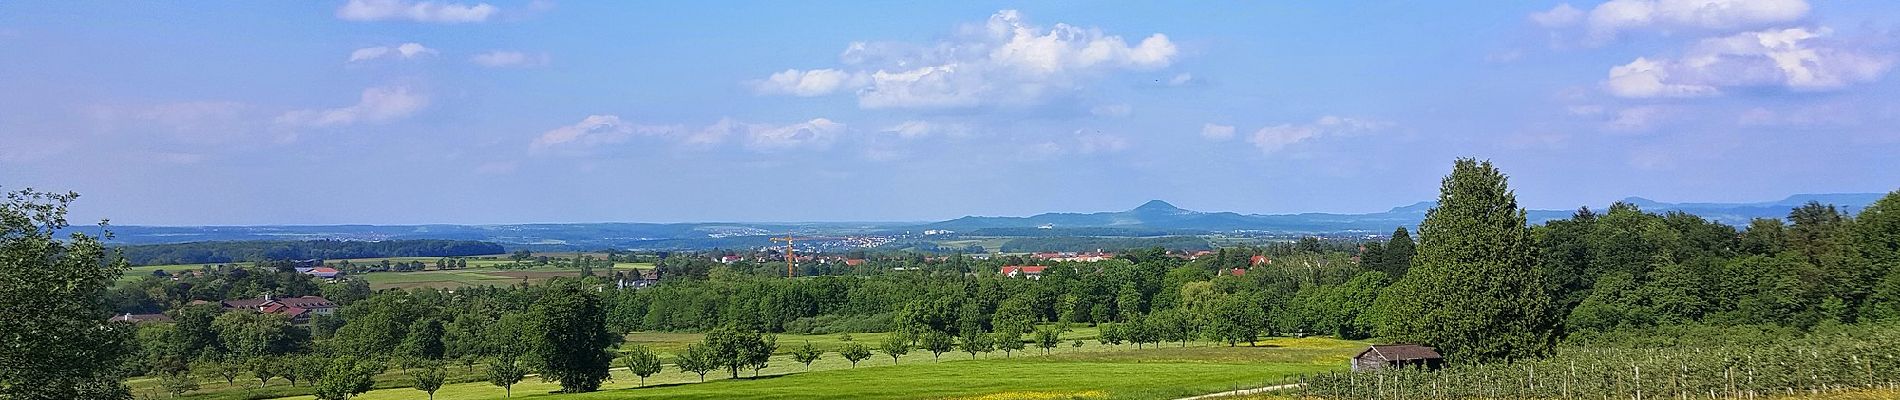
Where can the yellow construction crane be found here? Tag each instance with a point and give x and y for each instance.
(791, 259)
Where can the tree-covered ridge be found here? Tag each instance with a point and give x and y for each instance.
(272, 250)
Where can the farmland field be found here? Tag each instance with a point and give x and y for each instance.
(1091, 371)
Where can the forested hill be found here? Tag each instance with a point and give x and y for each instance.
(264, 250)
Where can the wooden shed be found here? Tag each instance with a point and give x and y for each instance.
(1382, 356)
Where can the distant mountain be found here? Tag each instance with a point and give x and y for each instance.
(1154, 218)
(1159, 215)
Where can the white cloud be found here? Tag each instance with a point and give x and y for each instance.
(403, 51)
(1645, 78)
(1274, 138)
(1181, 79)
(592, 131)
(421, 11)
(1004, 62)
(1795, 59)
(1216, 132)
(1608, 20)
(816, 133)
(598, 131)
(510, 59)
(377, 104)
(809, 83)
(1561, 16)
(918, 129)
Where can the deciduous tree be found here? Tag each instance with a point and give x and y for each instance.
(641, 362)
(56, 342)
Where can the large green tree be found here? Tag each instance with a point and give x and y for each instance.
(1877, 246)
(55, 342)
(572, 337)
(1396, 255)
(1473, 289)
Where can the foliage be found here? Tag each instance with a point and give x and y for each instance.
(571, 337)
(429, 379)
(641, 362)
(895, 346)
(1472, 291)
(505, 372)
(807, 354)
(937, 343)
(345, 377)
(696, 359)
(855, 352)
(1736, 364)
(56, 343)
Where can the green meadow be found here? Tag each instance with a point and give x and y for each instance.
(1093, 371)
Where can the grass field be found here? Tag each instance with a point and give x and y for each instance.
(1091, 371)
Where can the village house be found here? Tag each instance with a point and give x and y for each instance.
(321, 272)
(1382, 356)
(298, 309)
(1023, 271)
(639, 278)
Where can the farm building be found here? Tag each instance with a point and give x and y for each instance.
(1023, 271)
(1382, 356)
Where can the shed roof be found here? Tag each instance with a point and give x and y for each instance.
(1402, 352)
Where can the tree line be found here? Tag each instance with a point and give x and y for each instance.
(277, 250)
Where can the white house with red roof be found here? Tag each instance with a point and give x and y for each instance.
(1023, 271)
(298, 309)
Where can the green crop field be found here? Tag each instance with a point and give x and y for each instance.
(1091, 371)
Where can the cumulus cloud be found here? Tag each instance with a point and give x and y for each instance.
(1795, 59)
(1561, 16)
(591, 131)
(597, 131)
(918, 129)
(1005, 61)
(1645, 78)
(1274, 138)
(1213, 131)
(403, 51)
(418, 11)
(510, 59)
(809, 83)
(1608, 20)
(377, 104)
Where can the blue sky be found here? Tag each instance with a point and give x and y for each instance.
(398, 111)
